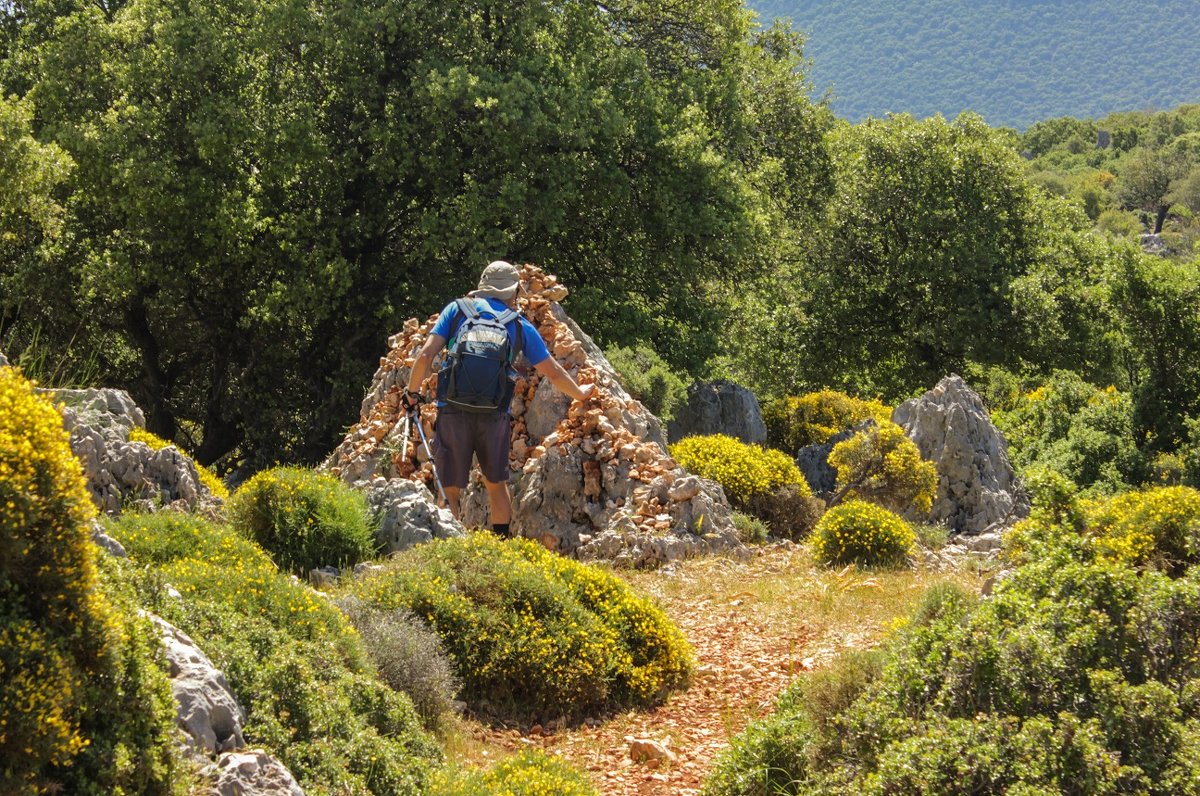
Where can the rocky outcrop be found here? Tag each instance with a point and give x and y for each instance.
(405, 514)
(720, 407)
(977, 488)
(591, 479)
(813, 462)
(3, 360)
(207, 711)
(251, 773)
(120, 472)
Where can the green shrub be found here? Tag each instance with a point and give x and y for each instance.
(291, 657)
(408, 657)
(750, 529)
(794, 422)
(304, 519)
(790, 511)
(649, 379)
(83, 706)
(862, 533)
(530, 773)
(1077, 675)
(743, 471)
(882, 465)
(534, 635)
(211, 480)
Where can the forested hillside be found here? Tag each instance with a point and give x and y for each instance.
(1013, 61)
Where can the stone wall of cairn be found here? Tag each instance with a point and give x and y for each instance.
(591, 479)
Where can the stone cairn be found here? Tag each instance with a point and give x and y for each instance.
(590, 479)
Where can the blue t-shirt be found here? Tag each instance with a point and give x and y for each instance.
(529, 342)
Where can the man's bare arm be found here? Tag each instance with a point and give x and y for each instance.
(420, 369)
(562, 380)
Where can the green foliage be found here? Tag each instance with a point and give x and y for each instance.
(84, 706)
(796, 421)
(942, 56)
(530, 773)
(882, 465)
(211, 480)
(1121, 223)
(305, 169)
(292, 658)
(742, 470)
(750, 529)
(791, 511)
(1073, 677)
(1083, 432)
(304, 519)
(862, 533)
(649, 379)
(1157, 526)
(534, 635)
(408, 657)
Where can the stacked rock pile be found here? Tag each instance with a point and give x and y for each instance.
(591, 479)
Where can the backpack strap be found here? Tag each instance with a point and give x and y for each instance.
(468, 309)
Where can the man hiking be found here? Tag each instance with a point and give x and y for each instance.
(485, 333)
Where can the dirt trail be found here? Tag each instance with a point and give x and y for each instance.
(742, 666)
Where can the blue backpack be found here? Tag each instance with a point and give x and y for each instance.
(477, 374)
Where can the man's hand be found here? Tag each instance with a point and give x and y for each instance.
(586, 391)
(411, 401)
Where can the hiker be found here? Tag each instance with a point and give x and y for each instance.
(486, 332)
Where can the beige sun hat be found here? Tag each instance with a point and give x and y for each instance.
(499, 280)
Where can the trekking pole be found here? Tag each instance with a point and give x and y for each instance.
(425, 441)
(404, 437)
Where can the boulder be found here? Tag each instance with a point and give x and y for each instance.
(251, 773)
(120, 472)
(1154, 244)
(3, 360)
(719, 407)
(405, 514)
(813, 462)
(977, 488)
(207, 711)
(591, 479)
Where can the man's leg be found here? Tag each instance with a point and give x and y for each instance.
(452, 493)
(500, 501)
(492, 444)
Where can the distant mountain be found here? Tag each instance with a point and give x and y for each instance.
(1014, 61)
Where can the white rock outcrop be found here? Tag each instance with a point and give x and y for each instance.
(118, 471)
(206, 709)
(251, 773)
(977, 488)
(592, 479)
(719, 407)
(406, 514)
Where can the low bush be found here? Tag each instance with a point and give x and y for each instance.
(648, 378)
(743, 471)
(790, 511)
(862, 533)
(304, 519)
(408, 657)
(1076, 676)
(796, 421)
(211, 481)
(882, 465)
(292, 658)
(750, 529)
(84, 708)
(530, 773)
(1156, 526)
(533, 635)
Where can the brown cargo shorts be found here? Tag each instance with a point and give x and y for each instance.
(460, 435)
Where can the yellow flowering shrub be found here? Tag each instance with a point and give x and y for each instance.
(861, 533)
(211, 480)
(796, 421)
(292, 658)
(71, 665)
(882, 465)
(1159, 526)
(304, 519)
(742, 470)
(534, 635)
(530, 773)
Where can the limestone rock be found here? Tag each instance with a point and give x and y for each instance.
(121, 472)
(646, 749)
(207, 710)
(591, 479)
(406, 514)
(720, 407)
(3, 360)
(251, 773)
(977, 488)
(813, 462)
(106, 542)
